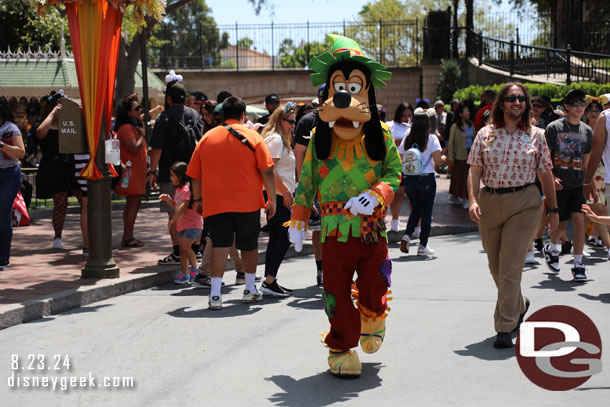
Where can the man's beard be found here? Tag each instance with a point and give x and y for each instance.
(514, 115)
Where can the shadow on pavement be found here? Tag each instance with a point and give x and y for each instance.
(309, 298)
(323, 389)
(555, 283)
(233, 308)
(413, 257)
(604, 298)
(484, 350)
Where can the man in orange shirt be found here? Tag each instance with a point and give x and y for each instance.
(229, 167)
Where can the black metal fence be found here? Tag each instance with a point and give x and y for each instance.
(560, 64)
(276, 46)
(592, 36)
(522, 27)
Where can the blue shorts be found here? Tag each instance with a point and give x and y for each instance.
(192, 234)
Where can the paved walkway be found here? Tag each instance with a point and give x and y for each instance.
(38, 271)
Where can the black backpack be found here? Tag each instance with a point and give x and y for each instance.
(186, 137)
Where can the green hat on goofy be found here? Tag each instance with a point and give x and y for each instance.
(346, 49)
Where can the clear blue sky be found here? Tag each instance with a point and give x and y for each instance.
(230, 11)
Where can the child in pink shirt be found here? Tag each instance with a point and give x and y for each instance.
(188, 222)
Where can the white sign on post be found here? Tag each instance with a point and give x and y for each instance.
(113, 151)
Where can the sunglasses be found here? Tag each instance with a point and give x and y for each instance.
(138, 107)
(537, 106)
(578, 104)
(512, 98)
(293, 122)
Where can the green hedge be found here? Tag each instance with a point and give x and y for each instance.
(555, 92)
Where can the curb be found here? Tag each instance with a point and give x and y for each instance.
(36, 214)
(51, 304)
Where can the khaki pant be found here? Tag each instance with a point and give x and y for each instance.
(206, 259)
(507, 225)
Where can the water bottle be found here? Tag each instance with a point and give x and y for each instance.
(125, 181)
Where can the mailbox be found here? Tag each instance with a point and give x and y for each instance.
(72, 134)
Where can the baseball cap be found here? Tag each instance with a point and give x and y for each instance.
(538, 99)
(272, 98)
(177, 92)
(574, 95)
(439, 103)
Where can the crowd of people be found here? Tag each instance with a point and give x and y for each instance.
(459, 139)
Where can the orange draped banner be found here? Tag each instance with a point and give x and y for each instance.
(95, 28)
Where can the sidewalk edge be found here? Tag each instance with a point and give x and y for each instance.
(51, 304)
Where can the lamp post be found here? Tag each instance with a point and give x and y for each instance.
(100, 264)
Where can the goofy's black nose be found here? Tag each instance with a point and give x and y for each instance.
(342, 99)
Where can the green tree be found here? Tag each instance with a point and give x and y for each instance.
(590, 33)
(245, 42)
(292, 56)
(130, 52)
(20, 27)
(396, 45)
(450, 79)
(400, 42)
(194, 36)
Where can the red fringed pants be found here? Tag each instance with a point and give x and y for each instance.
(340, 261)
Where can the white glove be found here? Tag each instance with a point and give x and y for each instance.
(363, 204)
(296, 236)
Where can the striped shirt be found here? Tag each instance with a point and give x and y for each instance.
(80, 162)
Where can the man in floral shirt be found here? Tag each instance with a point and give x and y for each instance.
(506, 156)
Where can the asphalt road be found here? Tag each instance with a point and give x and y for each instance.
(437, 350)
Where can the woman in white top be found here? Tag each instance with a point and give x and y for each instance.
(421, 189)
(400, 127)
(278, 137)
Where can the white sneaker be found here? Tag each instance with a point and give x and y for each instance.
(215, 302)
(455, 200)
(530, 259)
(58, 244)
(415, 234)
(395, 225)
(425, 251)
(252, 296)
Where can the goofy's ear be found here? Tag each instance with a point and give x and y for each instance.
(322, 139)
(374, 140)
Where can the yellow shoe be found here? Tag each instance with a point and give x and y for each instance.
(372, 326)
(372, 332)
(344, 363)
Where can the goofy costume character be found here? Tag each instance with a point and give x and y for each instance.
(353, 167)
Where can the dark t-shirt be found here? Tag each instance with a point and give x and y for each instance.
(264, 119)
(568, 144)
(302, 133)
(166, 136)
